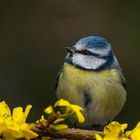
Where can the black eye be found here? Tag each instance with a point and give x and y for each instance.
(85, 52)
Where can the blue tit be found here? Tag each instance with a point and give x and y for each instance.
(91, 77)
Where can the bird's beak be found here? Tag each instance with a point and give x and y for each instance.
(71, 49)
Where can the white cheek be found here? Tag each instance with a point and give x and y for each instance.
(88, 62)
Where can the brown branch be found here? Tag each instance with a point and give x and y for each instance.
(69, 133)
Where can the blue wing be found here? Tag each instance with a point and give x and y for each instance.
(117, 66)
(123, 80)
(57, 77)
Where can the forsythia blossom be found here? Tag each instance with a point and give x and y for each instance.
(116, 131)
(135, 133)
(71, 108)
(55, 120)
(14, 126)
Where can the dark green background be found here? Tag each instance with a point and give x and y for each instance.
(33, 37)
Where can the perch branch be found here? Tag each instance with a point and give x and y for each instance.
(69, 133)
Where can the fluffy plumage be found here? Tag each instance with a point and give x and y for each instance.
(92, 78)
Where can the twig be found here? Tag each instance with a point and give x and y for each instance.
(69, 133)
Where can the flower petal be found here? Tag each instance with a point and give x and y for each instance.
(27, 110)
(29, 134)
(80, 117)
(58, 127)
(58, 120)
(13, 132)
(4, 110)
(135, 133)
(49, 110)
(98, 137)
(77, 107)
(18, 115)
(62, 102)
(3, 126)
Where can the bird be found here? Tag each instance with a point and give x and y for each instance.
(92, 78)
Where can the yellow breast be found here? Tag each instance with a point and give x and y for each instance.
(102, 91)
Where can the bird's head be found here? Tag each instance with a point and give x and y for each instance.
(91, 53)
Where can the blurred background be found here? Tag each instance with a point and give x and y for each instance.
(33, 37)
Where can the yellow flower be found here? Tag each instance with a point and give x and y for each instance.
(98, 137)
(115, 127)
(49, 110)
(71, 108)
(114, 131)
(135, 133)
(14, 126)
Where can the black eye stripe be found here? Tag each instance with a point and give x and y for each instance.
(86, 52)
